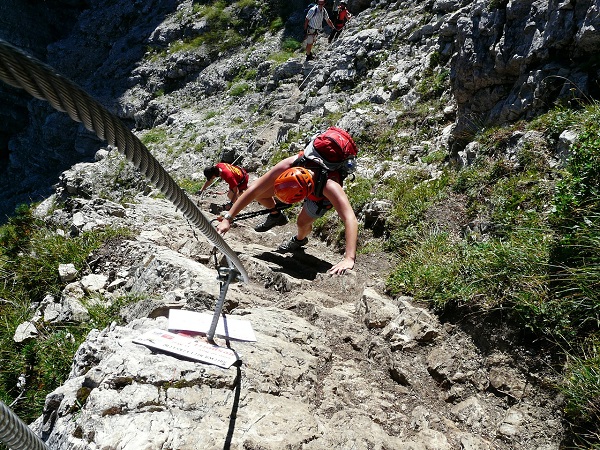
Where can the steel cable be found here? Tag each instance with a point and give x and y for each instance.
(41, 81)
(15, 434)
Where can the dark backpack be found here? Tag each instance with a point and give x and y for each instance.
(308, 8)
(333, 150)
(227, 155)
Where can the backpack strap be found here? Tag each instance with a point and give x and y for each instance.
(320, 177)
(321, 174)
(311, 12)
(245, 177)
(322, 206)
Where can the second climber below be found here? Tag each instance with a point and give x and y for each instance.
(294, 184)
(236, 178)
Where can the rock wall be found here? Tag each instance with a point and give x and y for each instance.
(517, 59)
(95, 44)
(337, 364)
(507, 61)
(31, 27)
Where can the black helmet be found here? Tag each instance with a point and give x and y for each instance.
(211, 171)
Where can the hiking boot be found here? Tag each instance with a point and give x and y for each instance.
(272, 220)
(309, 56)
(214, 208)
(292, 245)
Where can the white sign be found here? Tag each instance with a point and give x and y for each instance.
(228, 327)
(190, 347)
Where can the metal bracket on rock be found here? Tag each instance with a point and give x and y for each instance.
(226, 275)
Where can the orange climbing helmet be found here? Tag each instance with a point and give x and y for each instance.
(294, 185)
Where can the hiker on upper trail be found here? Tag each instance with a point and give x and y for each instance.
(303, 177)
(313, 24)
(236, 177)
(341, 17)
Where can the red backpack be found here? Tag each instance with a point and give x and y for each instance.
(332, 149)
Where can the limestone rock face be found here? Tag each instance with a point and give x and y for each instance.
(506, 61)
(31, 26)
(337, 363)
(512, 61)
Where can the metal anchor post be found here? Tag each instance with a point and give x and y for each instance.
(226, 275)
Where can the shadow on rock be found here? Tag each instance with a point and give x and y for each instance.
(298, 265)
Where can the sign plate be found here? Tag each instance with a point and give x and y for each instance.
(229, 327)
(193, 348)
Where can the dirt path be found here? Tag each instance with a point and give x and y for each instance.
(467, 377)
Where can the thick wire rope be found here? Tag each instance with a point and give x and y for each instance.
(41, 81)
(15, 434)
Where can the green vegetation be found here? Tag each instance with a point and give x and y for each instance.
(412, 196)
(281, 56)
(411, 127)
(279, 155)
(528, 243)
(497, 4)
(190, 186)
(154, 136)
(581, 387)
(526, 240)
(210, 115)
(433, 83)
(227, 27)
(223, 30)
(198, 147)
(245, 74)
(276, 25)
(533, 249)
(170, 144)
(239, 89)
(435, 79)
(437, 156)
(288, 48)
(30, 255)
(290, 45)
(241, 4)
(359, 190)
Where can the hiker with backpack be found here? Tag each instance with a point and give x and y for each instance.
(235, 177)
(341, 17)
(314, 177)
(313, 24)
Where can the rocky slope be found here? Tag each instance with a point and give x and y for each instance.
(505, 61)
(337, 364)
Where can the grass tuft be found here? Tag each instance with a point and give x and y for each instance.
(30, 255)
